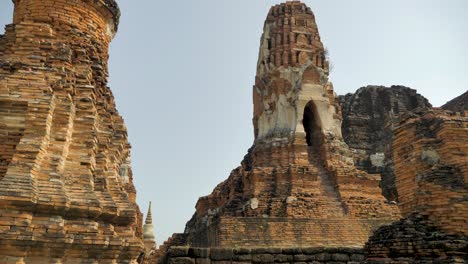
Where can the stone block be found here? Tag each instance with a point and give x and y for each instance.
(340, 257)
(323, 256)
(203, 261)
(313, 250)
(266, 250)
(199, 252)
(181, 260)
(221, 254)
(357, 257)
(178, 251)
(292, 251)
(303, 258)
(246, 257)
(263, 258)
(283, 258)
(241, 251)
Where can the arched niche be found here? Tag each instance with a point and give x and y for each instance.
(312, 125)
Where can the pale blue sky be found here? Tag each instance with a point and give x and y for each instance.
(182, 74)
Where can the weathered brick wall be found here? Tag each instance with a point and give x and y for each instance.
(186, 255)
(432, 173)
(286, 232)
(432, 169)
(63, 195)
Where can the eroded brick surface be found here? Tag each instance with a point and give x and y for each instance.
(66, 191)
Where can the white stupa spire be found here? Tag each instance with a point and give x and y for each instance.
(148, 231)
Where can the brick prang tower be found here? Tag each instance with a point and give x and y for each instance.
(297, 186)
(66, 191)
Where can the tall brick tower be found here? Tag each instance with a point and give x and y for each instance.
(66, 191)
(297, 186)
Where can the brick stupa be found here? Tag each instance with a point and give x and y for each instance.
(297, 186)
(66, 191)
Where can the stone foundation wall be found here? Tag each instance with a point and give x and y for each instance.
(186, 255)
(286, 232)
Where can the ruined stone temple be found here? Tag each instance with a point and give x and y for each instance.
(378, 176)
(66, 191)
(298, 185)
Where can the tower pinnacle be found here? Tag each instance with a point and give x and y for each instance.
(149, 217)
(148, 231)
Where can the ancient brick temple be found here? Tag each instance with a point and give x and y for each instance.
(66, 191)
(297, 186)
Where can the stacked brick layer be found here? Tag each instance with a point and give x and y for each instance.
(66, 191)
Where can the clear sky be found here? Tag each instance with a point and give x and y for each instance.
(182, 74)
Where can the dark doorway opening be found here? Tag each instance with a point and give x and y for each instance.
(312, 127)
